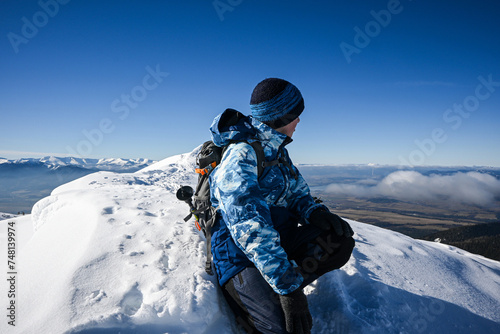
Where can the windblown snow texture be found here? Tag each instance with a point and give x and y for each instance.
(110, 253)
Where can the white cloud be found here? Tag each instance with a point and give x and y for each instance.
(468, 188)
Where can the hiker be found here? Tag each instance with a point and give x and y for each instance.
(270, 238)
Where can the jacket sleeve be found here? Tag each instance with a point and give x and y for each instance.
(236, 189)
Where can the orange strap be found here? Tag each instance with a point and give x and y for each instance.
(203, 171)
(197, 225)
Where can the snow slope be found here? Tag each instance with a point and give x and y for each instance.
(112, 254)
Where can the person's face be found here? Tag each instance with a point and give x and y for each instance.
(289, 128)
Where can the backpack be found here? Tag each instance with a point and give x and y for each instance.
(201, 207)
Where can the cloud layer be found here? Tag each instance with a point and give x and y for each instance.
(467, 188)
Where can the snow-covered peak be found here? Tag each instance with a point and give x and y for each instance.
(124, 162)
(52, 162)
(112, 253)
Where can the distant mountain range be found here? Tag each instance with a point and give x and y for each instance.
(4, 216)
(111, 164)
(24, 181)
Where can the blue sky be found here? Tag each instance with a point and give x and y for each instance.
(386, 82)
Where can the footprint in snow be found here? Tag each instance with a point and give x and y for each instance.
(121, 246)
(108, 210)
(149, 214)
(165, 262)
(135, 253)
(132, 301)
(95, 297)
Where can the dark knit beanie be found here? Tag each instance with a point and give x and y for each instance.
(276, 102)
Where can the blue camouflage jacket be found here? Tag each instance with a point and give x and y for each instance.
(250, 210)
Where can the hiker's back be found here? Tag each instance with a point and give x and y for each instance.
(245, 201)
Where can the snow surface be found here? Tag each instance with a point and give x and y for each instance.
(110, 253)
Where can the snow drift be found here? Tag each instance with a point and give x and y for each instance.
(111, 253)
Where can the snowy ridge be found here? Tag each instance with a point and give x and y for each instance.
(111, 253)
(52, 162)
(4, 216)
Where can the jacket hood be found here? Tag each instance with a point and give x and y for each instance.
(233, 126)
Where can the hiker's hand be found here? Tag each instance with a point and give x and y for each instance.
(325, 220)
(297, 316)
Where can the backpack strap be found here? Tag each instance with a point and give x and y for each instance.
(207, 169)
(282, 158)
(208, 236)
(261, 157)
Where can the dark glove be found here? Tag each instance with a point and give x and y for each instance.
(297, 316)
(325, 220)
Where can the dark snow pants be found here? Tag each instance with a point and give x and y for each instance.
(253, 301)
